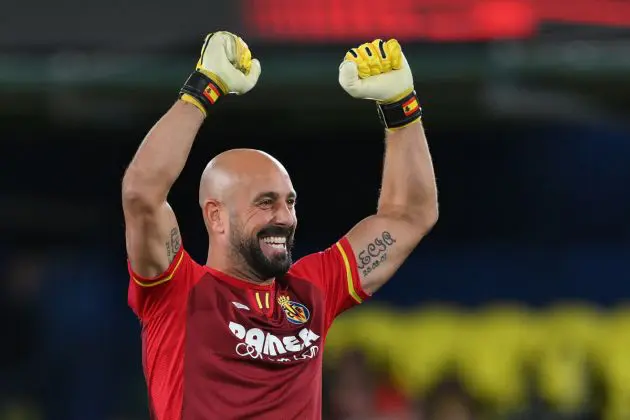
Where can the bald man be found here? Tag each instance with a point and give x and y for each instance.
(241, 336)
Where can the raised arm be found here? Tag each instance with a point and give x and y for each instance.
(407, 207)
(152, 232)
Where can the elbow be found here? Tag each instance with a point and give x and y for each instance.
(420, 218)
(425, 212)
(138, 195)
(424, 217)
(429, 216)
(135, 201)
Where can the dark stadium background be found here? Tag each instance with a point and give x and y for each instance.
(527, 111)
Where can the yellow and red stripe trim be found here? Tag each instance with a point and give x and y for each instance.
(161, 279)
(352, 275)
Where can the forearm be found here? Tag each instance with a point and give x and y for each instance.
(408, 187)
(163, 153)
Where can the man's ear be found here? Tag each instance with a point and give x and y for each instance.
(213, 215)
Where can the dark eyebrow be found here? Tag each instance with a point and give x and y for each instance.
(273, 195)
(267, 194)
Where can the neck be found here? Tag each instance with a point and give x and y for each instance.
(237, 269)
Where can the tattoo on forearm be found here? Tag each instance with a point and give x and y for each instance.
(173, 244)
(375, 254)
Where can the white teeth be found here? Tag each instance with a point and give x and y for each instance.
(278, 242)
(275, 240)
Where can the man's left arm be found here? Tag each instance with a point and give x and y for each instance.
(407, 207)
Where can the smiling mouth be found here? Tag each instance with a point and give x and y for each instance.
(275, 242)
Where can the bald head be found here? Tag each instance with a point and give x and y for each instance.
(248, 206)
(237, 168)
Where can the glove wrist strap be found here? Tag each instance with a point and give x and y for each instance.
(400, 113)
(205, 91)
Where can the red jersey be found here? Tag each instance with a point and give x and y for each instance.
(216, 347)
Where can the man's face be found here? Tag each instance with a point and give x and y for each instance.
(262, 230)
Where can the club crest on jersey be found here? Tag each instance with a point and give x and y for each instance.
(296, 312)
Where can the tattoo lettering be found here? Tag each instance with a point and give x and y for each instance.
(375, 254)
(173, 244)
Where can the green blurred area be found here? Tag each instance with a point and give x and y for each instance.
(471, 81)
(305, 64)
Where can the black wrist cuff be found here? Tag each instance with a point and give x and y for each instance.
(202, 88)
(400, 113)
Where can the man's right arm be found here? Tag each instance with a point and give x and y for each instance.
(151, 229)
(152, 233)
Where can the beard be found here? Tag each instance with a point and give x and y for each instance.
(249, 248)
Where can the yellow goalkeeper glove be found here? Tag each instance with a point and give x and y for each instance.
(225, 66)
(379, 71)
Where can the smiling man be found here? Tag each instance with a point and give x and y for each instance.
(241, 336)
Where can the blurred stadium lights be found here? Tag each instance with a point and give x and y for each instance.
(412, 20)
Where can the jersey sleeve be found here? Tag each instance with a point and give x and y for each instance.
(334, 270)
(148, 296)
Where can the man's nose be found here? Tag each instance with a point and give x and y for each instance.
(284, 215)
